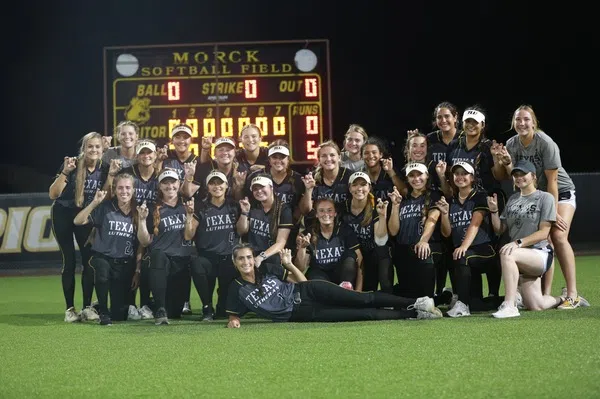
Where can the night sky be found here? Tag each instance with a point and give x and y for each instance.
(389, 66)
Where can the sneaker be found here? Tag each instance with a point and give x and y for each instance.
(160, 318)
(187, 309)
(459, 310)
(506, 310)
(435, 314)
(71, 315)
(89, 313)
(146, 313)
(582, 301)
(105, 320)
(424, 304)
(133, 313)
(570, 303)
(520, 304)
(347, 285)
(208, 313)
(453, 301)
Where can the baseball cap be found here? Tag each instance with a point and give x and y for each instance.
(262, 180)
(144, 144)
(524, 166)
(217, 174)
(473, 114)
(168, 173)
(224, 140)
(467, 166)
(359, 175)
(416, 166)
(279, 149)
(181, 128)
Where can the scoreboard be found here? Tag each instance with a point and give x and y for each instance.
(217, 88)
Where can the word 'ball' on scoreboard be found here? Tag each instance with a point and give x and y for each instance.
(217, 88)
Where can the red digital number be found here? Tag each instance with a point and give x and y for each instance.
(250, 89)
(311, 149)
(312, 124)
(310, 87)
(173, 91)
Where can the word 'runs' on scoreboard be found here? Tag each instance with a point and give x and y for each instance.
(217, 88)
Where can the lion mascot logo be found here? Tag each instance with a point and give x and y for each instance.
(138, 110)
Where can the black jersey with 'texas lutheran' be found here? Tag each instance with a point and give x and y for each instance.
(289, 191)
(364, 234)
(145, 190)
(243, 163)
(216, 232)
(171, 227)
(93, 182)
(115, 236)
(173, 162)
(328, 252)
(338, 191)
(479, 155)
(382, 186)
(461, 214)
(259, 226)
(411, 218)
(202, 172)
(273, 300)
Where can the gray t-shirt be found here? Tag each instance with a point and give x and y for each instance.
(545, 155)
(523, 214)
(115, 153)
(354, 166)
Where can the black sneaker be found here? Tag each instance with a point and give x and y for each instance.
(105, 320)
(160, 317)
(208, 313)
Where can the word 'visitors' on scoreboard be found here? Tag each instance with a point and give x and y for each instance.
(217, 88)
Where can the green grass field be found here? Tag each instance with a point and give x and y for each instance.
(552, 354)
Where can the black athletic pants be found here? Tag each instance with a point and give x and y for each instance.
(344, 270)
(323, 301)
(168, 276)
(113, 275)
(377, 269)
(467, 276)
(64, 229)
(416, 277)
(206, 269)
(144, 284)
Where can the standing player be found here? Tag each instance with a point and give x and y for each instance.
(445, 118)
(113, 247)
(73, 188)
(354, 139)
(165, 230)
(380, 168)
(287, 296)
(127, 133)
(215, 235)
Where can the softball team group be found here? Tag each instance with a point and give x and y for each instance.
(358, 237)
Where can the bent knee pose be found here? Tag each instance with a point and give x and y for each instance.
(528, 216)
(287, 296)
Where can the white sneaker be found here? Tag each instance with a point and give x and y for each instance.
(453, 301)
(424, 304)
(187, 309)
(146, 313)
(520, 304)
(133, 314)
(89, 313)
(434, 314)
(506, 310)
(459, 310)
(71, 315)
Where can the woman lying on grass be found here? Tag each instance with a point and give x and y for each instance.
(285, 295)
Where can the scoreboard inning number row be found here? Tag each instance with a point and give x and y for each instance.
(283, 87)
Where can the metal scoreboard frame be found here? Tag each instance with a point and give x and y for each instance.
(217, 88)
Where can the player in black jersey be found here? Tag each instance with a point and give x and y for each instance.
(74, 188)
(114, 244)
(380, 168)
(413, 222)
(368, 219)
(445, 118)
(165, 229)
(225, 162)
(286, 296)
(214, 225)
(267, 224)
(329, 249)
(466, 220)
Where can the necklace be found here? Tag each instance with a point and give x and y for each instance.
(463, 198)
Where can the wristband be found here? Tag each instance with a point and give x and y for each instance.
(245, 214)
(262, 255)
(189, 180)
(63, 173)
(493, 211)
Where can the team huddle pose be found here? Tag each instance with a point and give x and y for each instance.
(361, 236)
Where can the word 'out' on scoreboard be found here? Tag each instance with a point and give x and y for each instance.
(217, 88)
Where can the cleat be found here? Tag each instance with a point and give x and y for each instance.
(146, 313)
(71, 315)
(90, 314)
(133, 313)
(459, 310)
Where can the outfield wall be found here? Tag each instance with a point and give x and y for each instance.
(27, 240)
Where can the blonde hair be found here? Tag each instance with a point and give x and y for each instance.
(354, 128)
(250, 126)
(319, 169)
(81, 175)
(122, 124)
(534, 118)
